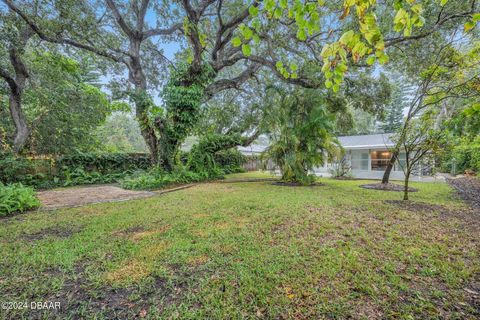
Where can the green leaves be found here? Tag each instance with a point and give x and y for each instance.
(301, 35)
(290, 72)
(16, 198)
(237, 42)
(469, 25)
(405, 20)
(247, 34)
(246, 50)
(253, 11)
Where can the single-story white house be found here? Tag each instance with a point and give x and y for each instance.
(367, 155)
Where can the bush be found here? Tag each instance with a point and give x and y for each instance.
(466, 155)
(82, 168)
(105, 162)
(158, 179)
(341, 169)
(16, 198)
(79, 176)
(31, 172)
(230, 161)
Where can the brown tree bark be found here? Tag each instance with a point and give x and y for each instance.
(21, 128)
(391, 163)
(16, 85)
(405, 189)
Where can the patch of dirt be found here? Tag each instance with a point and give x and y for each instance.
(470, 218)
(387, 187)
(454, 303)
(468, 189)
(127, 232)
(295, 184)
(78, 196)
(345, 178)
(56, 231)
(80, 299)
(417, 206)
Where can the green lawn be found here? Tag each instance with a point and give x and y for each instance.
(247, 250)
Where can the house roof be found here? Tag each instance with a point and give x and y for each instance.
(381, 140)
(367, 141)
(252, 149)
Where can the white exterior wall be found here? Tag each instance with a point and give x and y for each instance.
(356, 155)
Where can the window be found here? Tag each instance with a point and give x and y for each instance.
(380, 160)
(359, 160)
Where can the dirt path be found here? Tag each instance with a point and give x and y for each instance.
(78, 196)
(83, 195)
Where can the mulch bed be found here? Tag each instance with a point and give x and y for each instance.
(387, 187)
(468, 189)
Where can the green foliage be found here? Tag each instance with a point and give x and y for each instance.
(16, 198)
(105, 162)
(86, 168)
(78, 176)
(230, 161)
(30, 172)
(183, 96)
(341, 167)
(120, 134)
(91, 168)
(301, 132)
(63, 104)
(157, 178)
(393, 112)
(465, 155)
(209, 159)
(202, 156)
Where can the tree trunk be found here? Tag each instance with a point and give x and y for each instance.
(141, 99)
(16, 86)
(405, 190)
(391, 163)
(21, 128)
(167, 149)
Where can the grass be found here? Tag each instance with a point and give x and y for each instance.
(247, 250)
(250, 175)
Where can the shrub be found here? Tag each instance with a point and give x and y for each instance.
(158, 179)
(76, 176)
(466, 155)
(105, 162)
(230, 161)
(16, 198)
(31, 172)
(82, 168)
(340, 168)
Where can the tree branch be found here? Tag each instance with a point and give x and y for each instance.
(436, 26)
(71, 42)
(120, 21)
(10, 81)
(234, 83)
(162, 32)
